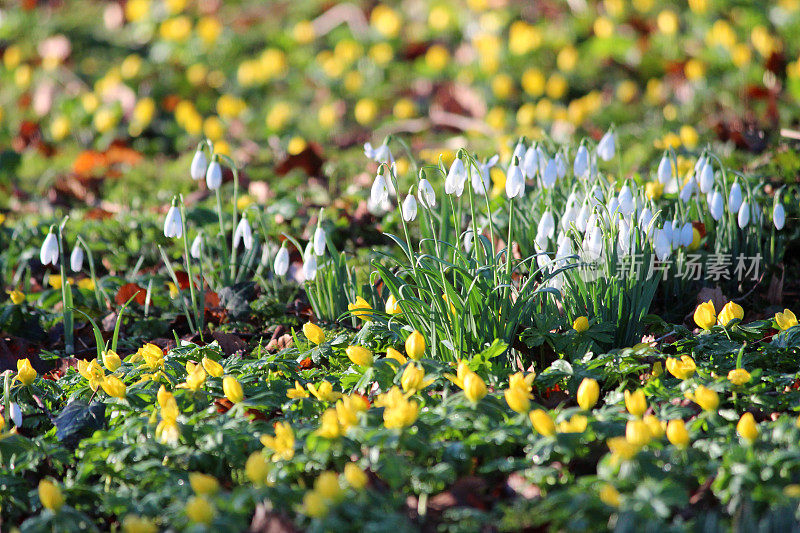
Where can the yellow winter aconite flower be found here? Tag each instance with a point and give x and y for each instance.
(730, 312)
(92, 372)
(391, 353)
(739, 376)
(365, 111)
(707, 399)
(256, 468)
(400, 413)
(518, 399)
(654, 189)
(682, 368)
(314, 333)
(784, 320)
(200, 510)
(359, 355)
(16, 296)
(329, 425)
(113, 386)
(635, 402)
(542, 422)
(392, 306)
(474, 387)
(50, 495)
(138, 524)
(168, 431)
(297, 392)
(25, 372)
(347, 409)
(203, 484)
(355, 476)
(621, 449)
(588, 393)
(677, 433)
(151, 355)
(575, 424)
(194, 379)
(324, 392)
(213, 368)
(413, 379)
(609, 495)
(637, 433)
(747, 427)
(361, 308)
(705, 316)
(656, 426)
(282, 444)
(581, 324)
(415, 345)
(232, 389)
(111, 360)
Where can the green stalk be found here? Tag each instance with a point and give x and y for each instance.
(66, 294)
(198, 312)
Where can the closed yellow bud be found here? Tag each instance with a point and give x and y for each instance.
(355, 477)
(707, 399)
(50, 495)
(212, 367)
(138, 524)
(392, 306)
(705, 316)
(415, 345)
(111, 360)
(739, 376)
(747, 427)
(609, 495)
(314, 333)
(581, 324)
(314, 505)
(199, 510)
(17, 297)
(588, 393)
(256, 468)
(232, 389)
(25, 372)
(113, 386)
(474, 387)
(729, 313)
(542, 422)
(203, 484)
(413, 378)
(359, 355)
(327, 485)
(637, 433)
(682, 368)
(517, 399)
(677, 434)
(635, 402)
(391, 353)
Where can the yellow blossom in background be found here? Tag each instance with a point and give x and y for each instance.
(667, 22)
(609, 495)
(785, 320)
(203, 484)
(747, 427)
(575, 424)
(392, 353)
(60, 127)
(386, 20)
(415, 345)
(176, 29)
(296, 145)
(437, 57)
(413, 378)
(195, 379)
(200, 510)
(209, 30)
(50, 495)
(542, 422)
(404, 108)
(621, 449)
(517, 399)
(25, 372)
(303, 32)
(138, 524)
(706, 398)
(282, 444)
(655, 426)
(16, 296)
(739, 376)
(314, 505)
(654, 189)
(635, 402)
(682, 368)
(677, 433)
(355, 476)
(256, 468)
(637, 433)
(297, 392)
(392, 306)
(329, 425)
(232, 389)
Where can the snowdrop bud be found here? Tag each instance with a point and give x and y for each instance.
(550, 174)
(49, 252)
(744, 215)
(779, 216)
(594, 247)
(425, 194)
(626, 200)
(607, 146)
(570, 215)
(663, 245)
(196, 251)
(706, 178)
(581, 165)
(16, 413)
(456, 178)
(624, 237)
(173, 227)
(687, 234)
(613, 205)
(564, 248)
(243, 233)
(644, 219)
(468, 238)
(409, 208)
(282, 261)
(687, 190)
(597, 195)
(214, 175)
(667, 230)
(319, 240)
(541, 160)
(76, 258)
(716, 204)
(519, 151)
(571, 199)
(379, 192)
(583, 217)
(699, 164)
(676, 234)
(547, 226)
(198, 168)
(735, 198)
(561, 165)
(664, 169)
(530, 163)
(309, 265)
(515, 181)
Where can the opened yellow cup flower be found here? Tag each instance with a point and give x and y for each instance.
(329, 425)
(203, 484)
(360, 308)
(588, 393)
(635, 402)
(16, 296)
(637, 433)
(518, 399)
(297, 392)
(359, 355)
(232, 389)
(194, 379)
(682, 368)
(731, 311)
(677, 433)
(739, 376)
(621, 449)
(707, 399)
(25, 372)
(747, 427)
(705, 315)
(324, 392)
(542, 422)
(282, 444)
(50, 495)
(784, 320)
(415, 345)
(314, 333)
(581, 324)
(111, 360)
(576, 424)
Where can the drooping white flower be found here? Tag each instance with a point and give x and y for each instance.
(564, 248)
(676, 234)
(244, 234)
(547, 226)
(664, 169)
(662, 244)
(320, 240)
(281, 264)
(49, 252)
(735, 198)
(214, 175)
(779, 216)
(196, 251)
(173, 226)
(699, 164)
(707, 178)
(519, 151)
(667, 229)
(744, 215)
(76, 258)
(409, 208)
(687, 234)
(569, 216)
(687, 191)
(716, 204)
(426, 195)
(583, 217)
(469, 237)
(626, 205)
(198, 167)
(613, 206)
(624, 237)
(581, 164)
(379, 192)
(530, 163)
(597, 195)
(550, 174)
(561, 165)
(456, 178)
(607, 146)
(381, 154)
(16, 414)
(594, 243)
(515, 182)
(309, 266)
(644, 220)
(482, 180)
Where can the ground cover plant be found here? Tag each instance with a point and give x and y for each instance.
(458, 266)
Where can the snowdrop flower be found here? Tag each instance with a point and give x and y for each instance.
(309, 263)
(687, 190)
(482, 180)
(173, 226)
(281, 265)
(214, 175)
(744, 215)
(468, 240)
(519, 151)
(594, 243)
(626, 200)
(607, 146)
(662, 245)
(49, 252)
(613, 206)
(561, 165)
(243, 233)
(379, 192)
(196, 251)
(624, 237)
(542, 159)
(530, 163)
(550, 174)
(16, 413)
(735, 198)
(547, 227)
(569, 216)
(456, 178)
(564, 249)
(581, 164)
(716, 204)
(409, 207)
(76, 258)
(597, 195)
(515, 181)
(583, 217)
(706, 178)
(779, 216)
(198, 167)
(699, 164)
(664, 169)
(381, 154)
(687, 234)
(644, 220)
(426, 195)
(676, 234)
(319, 240)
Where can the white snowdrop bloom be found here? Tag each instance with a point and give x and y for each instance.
(663, 245)
(281, 265)
(456, 178)
(409, 208)
(571, 200)
(744, 215)
(561, 165)
(676, 234)
(687, 190)
(542, 259)
(381, 154)
(580, 167)
(667, 230)
(379, 192)
(594, 243)
(583, 217)
(49, 251)
(173, 227)
(779, 216)
(468, 238)
(716, 205)
(547, 225)
(624, 237)
(613, 206)
(198, 167)
(309, 265)
(593, 220)
(214, 176)
(626, 200)
(569, 216)
(735, 198)
(320, 240)
(607, 146)
(550, 174)
(519, 151)
(515, 182)
(664, 169)
(597, 195)
(644, 220)
(425, 194)
(707, 178)
(541, 159)
(196, 251)
(564, 249)
(16, 413)
(243, 234)
(530, 163)
(481, 180)
(76, 258)
(687, 234)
